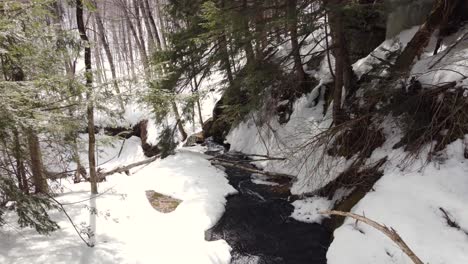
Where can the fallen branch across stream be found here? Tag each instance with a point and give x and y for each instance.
(235, 164)
(102, 174)
(388, 231)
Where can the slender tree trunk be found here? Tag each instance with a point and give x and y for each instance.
(90, 97)
(37, 167)
(97, 61)
(140, 46)
(110, 59)
(179, 120)
(152, 23)
(225, 58)
(343, 70)
(248, 48)
(136, 8)
(20, 168)
(292, 27)
(161, 25)
(149, 30)
(420, 40)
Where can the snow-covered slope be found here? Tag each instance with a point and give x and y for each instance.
(416, 202)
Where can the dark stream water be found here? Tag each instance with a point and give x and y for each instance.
(257, 225)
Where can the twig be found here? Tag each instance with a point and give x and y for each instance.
(389, 232)
(71, 221)
(449, 49)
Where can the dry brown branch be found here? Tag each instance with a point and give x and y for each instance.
(388, 231)
(234, 164)
(102, 174)
(264, 156)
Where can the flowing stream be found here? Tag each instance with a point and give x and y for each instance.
(258, 227)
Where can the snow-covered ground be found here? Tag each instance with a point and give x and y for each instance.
(410, 201)
(127, 229)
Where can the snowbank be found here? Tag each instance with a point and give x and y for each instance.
(411, 202)
(127, 229)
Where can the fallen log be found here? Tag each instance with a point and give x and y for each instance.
(236, 165)
(388, 231)
(102, 174)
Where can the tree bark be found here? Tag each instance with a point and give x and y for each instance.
(225, 62)
(136, 8)
(149, 30)
(162, 29)
(110, 58)
(37, 167)
(20, 168)
(180, 124)
(140, 46)
(152, 23)
(420, 40)
(292, 27)
(247, 41)
(343, 70)
(90, 97)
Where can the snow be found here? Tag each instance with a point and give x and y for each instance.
(308, 210)
(409, 202)
(453, 62)
(262, 180)
(291, 140)
(412, 200)
(127, 229)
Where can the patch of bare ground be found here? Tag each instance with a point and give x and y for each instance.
(161, 202)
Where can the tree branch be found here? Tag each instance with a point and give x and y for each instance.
(388, 231)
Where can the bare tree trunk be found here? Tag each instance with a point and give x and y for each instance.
(149, 30)
(141, 36)
(420, 40)
(249, 51)
(195, 90)
(20, 168)
(180, 124)
(161, 25)
(343, 70)
(97, 61)
(90, 97)
(140, 45)
(37, 167)
(292, 27)
(223, 44)
(225, 58)
(152, 23)
(110, 59)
